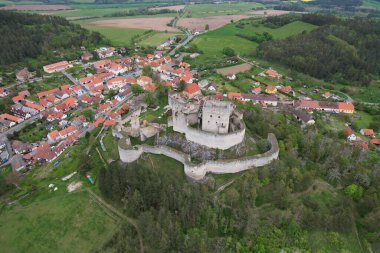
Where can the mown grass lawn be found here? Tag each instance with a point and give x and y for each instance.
(69, 222)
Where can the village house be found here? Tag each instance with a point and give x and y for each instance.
(53, 115)
(327, 94)
(231, 76)
(23, 111)
(46, 93)
(367, 132)
(350, 134)
(361, 144)
(86, 56)
(7, 116)
(192, 90)
(3, 92)
(143, 80)
(150, 87)
(116, 83)
(105, 52)
(260, 99)
(303, 117)
(5, 125)
(18, 163)
(375, 141)
(56, 135)
(20, 147)
(335, 107)
(117, 68)
(272, 73)
(102, 64)
(270, 89)
(256, 90)
(55, 67)
(286, 89)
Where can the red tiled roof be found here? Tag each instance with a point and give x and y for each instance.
(348, 131)
(144, 79)
(233, 95)
(11, 118)
(346, 106)
(272, 73)
(109, 122)
(286, 89)
(375, 141)
(34, 106)
(97, 122)
(368, 132)
(192, 88)
(47, 92)
(151, 87)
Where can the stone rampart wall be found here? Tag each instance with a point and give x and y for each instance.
(198, 171)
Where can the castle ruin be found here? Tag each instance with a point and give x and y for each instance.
(212, 123)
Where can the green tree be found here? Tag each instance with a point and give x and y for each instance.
(181, 86)
(147, 71)
(151, 99)
(354, 191)
(228, 51)
(137, 89)
(85, 164)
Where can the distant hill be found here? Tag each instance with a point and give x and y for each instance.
(31, 36)
(346, 51)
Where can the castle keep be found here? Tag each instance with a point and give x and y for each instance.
(212, 123)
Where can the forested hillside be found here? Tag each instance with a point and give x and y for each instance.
(320, 196)
(31, 35)
(345, 51)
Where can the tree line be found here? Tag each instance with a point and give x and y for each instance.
(31, 35)
(345, 51)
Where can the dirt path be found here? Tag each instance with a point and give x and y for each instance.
(118, 214)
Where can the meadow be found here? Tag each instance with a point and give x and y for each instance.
(69, 222)
(212, 43)
(117, 36)
(371, 4)
(122, 37)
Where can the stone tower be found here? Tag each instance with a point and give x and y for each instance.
(216, 116)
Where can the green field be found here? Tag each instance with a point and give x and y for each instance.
(91, 10)
(371, 4)
(123, 36)
(156, 39)
(204, 10)
(117, 36)
(213, 42)
(71, 222)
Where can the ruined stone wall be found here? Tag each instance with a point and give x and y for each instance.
(198, 171)
(131, 154)
(211, 140)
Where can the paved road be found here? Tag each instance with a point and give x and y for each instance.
(183, 43)
(70, 77)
